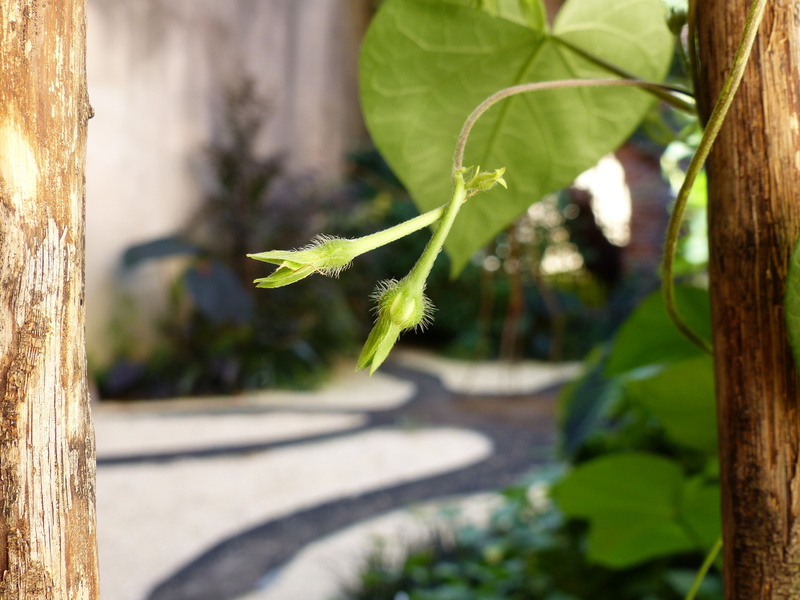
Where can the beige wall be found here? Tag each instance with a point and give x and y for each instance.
(158, 70)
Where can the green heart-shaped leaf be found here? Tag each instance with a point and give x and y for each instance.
(681, 397)
(639, 506)
(663, 343)
(426, 64)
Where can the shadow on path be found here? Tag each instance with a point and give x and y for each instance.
(521, 429)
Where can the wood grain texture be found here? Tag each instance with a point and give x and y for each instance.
(47, 520)
(754, 220)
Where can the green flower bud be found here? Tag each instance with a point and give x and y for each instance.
(403, 305)
(400, 306)
(330, 255)
(325, 255)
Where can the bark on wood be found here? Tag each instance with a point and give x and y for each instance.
(754, 212)
(47, 521)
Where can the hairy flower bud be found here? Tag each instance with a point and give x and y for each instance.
(400, 306)
(325, 255)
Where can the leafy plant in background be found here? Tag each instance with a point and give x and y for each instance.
(632, 514)
(218, 336)
(645, 413)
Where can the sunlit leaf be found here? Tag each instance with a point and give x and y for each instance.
(426, 64)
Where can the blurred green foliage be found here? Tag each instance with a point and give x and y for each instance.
(219, 334)
(631, 515)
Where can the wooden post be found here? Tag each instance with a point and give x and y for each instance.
(47, 461)
(754, 220)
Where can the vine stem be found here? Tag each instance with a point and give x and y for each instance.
(523, 88)
(420, 271)
(701, 574)
(666, 94)
(712, 128)
(394, 233)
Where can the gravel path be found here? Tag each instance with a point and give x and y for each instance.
(247, 504)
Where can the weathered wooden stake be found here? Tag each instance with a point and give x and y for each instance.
(754, 212)
(47, 461)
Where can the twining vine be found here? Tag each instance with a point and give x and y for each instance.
(715, 120)
(402, 305)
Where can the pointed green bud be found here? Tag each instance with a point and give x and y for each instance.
(400, 306)
(325, 255)
(330, 255)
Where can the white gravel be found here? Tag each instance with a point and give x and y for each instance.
(153, 518)
(129, 433)
(489, 377)
(347, 390)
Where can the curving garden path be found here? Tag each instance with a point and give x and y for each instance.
(251, 498)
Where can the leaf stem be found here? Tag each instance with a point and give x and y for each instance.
(391, 234)
(701, 574)
(663, 94)
(524, 88)
(420, 271)
(712, 128)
